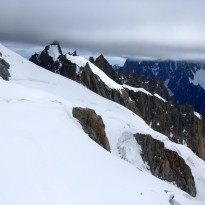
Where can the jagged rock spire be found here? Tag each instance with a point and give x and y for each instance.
(92, 60)
(73, 54)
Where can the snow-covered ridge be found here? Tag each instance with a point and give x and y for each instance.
(137, 89)
(47, 159)
(143, 91)
(198, 115)
(158, 96)
(81, 62)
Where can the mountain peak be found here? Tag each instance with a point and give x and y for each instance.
(56, 43)
(91, 59)
(101, 56)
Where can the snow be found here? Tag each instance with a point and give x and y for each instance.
(129, 150)
(143, 91)
(199, 78)
(158, 96)
(166, 83)
(137, 89)
(54, 52)
(47, 159)
(81, 62)
(198, 115)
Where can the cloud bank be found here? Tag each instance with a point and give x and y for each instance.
(158, 29)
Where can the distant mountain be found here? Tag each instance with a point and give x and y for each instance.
(116, 66)
(184, 80)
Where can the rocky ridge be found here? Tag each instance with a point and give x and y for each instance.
(92, 125)
(166, 164)
(4, 66)
(158, 109)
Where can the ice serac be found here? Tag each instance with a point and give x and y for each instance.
(93, 125)
(166, 164)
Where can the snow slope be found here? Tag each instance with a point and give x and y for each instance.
(47, 159)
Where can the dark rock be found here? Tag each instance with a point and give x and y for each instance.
(73, 54)
(104, 65)
(93, 125)
(92, 60)
(69, 69)
(166, 164)
(0, 54)
(4, 66)
(152, 86)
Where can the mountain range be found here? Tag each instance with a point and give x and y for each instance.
(184, 80)
(76, 131)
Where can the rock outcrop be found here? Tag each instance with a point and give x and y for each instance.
(94, 83)
(52, 59)
(4, 66)
(92, 125)
(178, 122)
(166, 164)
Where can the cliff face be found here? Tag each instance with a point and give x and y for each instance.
(94, 83)
(179, 122)
(4, 72)
(166, 164)
(152, 86)
(104, 65)
(92, 125)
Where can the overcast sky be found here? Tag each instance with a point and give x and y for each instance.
(159, 29)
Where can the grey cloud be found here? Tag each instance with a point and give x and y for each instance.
(159, 29)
